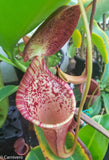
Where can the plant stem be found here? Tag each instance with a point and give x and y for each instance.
(89, 69)
(92, 15)
(20, 66)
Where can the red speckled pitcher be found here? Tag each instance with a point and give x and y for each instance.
(49, 103)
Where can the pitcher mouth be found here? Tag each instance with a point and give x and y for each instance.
(44, 121)
(27, 116)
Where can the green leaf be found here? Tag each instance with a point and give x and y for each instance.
(3, 58)
(71, 50)
(101, 8)
(96, 107)
(80, 153)
(106, 101)
(35, 154)
(54, 59)
(107, 32)
(101, 41)
(7, 90)
(105, 76)
(3, 106)
(3, 111)
(104, 120)
(53, 70)
(77, 94)
(94, 140)
(20, 17)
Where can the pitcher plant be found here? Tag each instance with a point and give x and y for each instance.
(42, 98)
